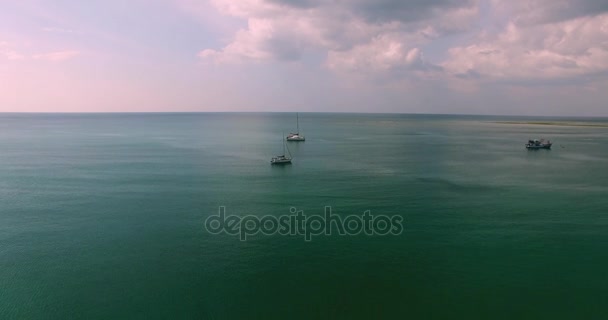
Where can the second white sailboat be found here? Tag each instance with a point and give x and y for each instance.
(296, 136)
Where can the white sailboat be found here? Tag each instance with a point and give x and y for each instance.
(296, 136)
(282, 159)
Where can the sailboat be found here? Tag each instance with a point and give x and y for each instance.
(282, 159)
(296, 136)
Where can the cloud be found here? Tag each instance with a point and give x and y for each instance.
(520, 41)
(15, 51)
(533, 12)
(262, 40)
(381, 11)
(562, 49)
(351, 33)
(12, 55)
(57, 55)
(60, 30)
(8, 51)
(381, 54)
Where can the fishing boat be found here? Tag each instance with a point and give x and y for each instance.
(282, 159)
(296, 136)
(538, 144)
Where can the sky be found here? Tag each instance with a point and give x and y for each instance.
(517, 57)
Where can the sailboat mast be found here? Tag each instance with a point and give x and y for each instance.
(289, 152)
(283, 142)
(298, 122)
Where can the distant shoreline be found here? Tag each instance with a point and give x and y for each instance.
(555, 123)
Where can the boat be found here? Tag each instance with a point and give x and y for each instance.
(282, 159)
(538, 144)
(296, 136)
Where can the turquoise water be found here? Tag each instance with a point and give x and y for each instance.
(102, 217)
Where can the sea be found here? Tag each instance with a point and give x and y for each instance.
(103, 216)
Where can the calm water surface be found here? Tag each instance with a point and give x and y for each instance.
(102, 216)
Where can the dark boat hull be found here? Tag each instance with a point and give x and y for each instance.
(533, 147)
(282, 162)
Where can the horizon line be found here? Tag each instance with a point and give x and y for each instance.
(305, 112)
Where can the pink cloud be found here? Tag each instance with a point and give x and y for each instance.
(562, 49)
(57, 55)
(60, 30)
(382, 53)
(12, 55)
(18, 50)
(7, 51)
(352, 39)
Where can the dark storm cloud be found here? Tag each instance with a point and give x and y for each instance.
(381, 11)
(579, 8)
(301, 4)
(550, 11)
(404, 11)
